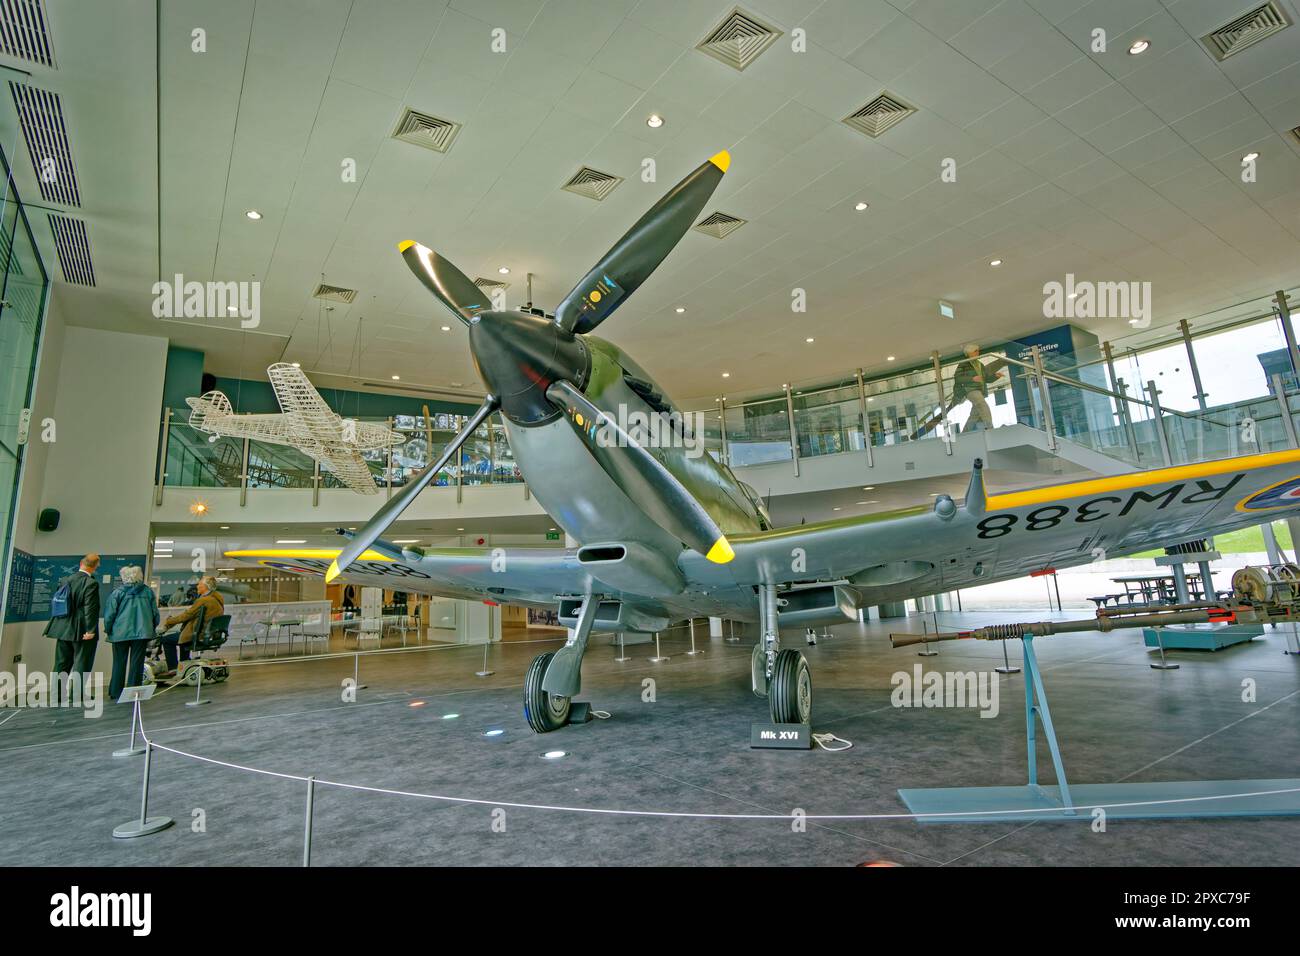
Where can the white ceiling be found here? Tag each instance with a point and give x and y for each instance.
(1105, 165)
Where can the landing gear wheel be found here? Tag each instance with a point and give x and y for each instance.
(544, 712)
(790, 692)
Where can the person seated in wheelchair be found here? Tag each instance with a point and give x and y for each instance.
(176, 644)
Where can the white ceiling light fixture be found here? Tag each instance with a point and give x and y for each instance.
(291, 541)
(253, 214)
(1139, 46)
(446, 328)
(889, 358)
(809, 340)
(995, 262)
(726, 375)
(397, 378)
(679, 310)
(654, 121)
(504, 270)
(1249, 158)
(860, 206)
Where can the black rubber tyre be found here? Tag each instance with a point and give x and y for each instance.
(790, 692)
(544, 712)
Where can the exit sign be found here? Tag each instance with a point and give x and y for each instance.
(552, 536)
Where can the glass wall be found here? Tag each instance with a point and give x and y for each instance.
(22, 315)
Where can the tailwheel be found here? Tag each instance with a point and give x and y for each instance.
(544, 712)
(790, 692)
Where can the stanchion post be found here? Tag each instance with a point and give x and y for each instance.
(1162, 664)
(731, 637)
(658, 654)
(131, 750)
(198, 685)
(356, 671)
(1007, 667)
(622, 654)
(925, 645)
(692, 652)
(485, 672)
(306, 837)
(146, 824)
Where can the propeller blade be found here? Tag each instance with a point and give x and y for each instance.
(632, 259)
(652, 485)
(395, 505)
(455, 289)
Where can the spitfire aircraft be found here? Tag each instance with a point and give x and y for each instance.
(305, 423)
(664, 535)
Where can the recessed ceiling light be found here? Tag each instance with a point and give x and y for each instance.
(157, 541)
(406, 541)
(860, 206)
(835, 509)
(654, 121)
(680, 310)
(809, 340)
(253, 214)
(225, 527)
(416, 703)
(232, 309)
(889, 358)
(1073, 295)
(552, 529)
(397, 378)
(1250, 157)
(446, 328)
(995, 262)
(291, 541)
(554, 754)
(504, 271)
(460, 529)
(450, 716)
(296, 364)
(868, 487)
(726, 375)
(1139, 46)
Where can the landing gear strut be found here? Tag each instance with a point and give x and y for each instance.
(782, 676)
(553, 678)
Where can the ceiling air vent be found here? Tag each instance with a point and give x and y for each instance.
(592, 183)
(881, 114)
(40, 114)
(1247, 30)
(490, 285)
(425, 130)
(73, 249)
(719, 225)
(738, 39)
(24, 31)
(333, 293)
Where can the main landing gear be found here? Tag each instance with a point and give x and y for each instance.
(782, 676)
(554, 677)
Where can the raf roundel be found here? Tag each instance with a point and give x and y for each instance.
(1281, 495)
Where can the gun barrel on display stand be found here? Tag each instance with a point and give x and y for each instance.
(1106, 622)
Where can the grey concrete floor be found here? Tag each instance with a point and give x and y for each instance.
(687, 750)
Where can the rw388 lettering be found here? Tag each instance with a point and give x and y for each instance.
(1106, 506)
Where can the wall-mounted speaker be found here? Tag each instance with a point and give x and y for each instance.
(48, 520)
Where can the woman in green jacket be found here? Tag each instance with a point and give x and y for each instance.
(129, 622)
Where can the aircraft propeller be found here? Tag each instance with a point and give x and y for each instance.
(533, 366)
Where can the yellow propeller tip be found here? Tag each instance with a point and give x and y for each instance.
(722, 160)
(332, 573)
(721, 551)
(403, 246)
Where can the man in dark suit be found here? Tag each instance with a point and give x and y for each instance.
(77, 635)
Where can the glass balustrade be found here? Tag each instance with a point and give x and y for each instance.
(1098, 398)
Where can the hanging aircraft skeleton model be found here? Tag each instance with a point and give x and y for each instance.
(305, 423)
(665, 535)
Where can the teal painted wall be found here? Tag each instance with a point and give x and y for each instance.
(184, 376)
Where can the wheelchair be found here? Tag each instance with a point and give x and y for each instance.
(209, 636)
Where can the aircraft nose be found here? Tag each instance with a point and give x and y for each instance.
(519, 355)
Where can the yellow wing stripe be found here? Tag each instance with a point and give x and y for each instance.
(323, 554)
(1137, 479)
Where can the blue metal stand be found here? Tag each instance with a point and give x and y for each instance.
(1119, 801)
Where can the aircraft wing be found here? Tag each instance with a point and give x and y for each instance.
(942, 545)
(346, 462)
(507, 575)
